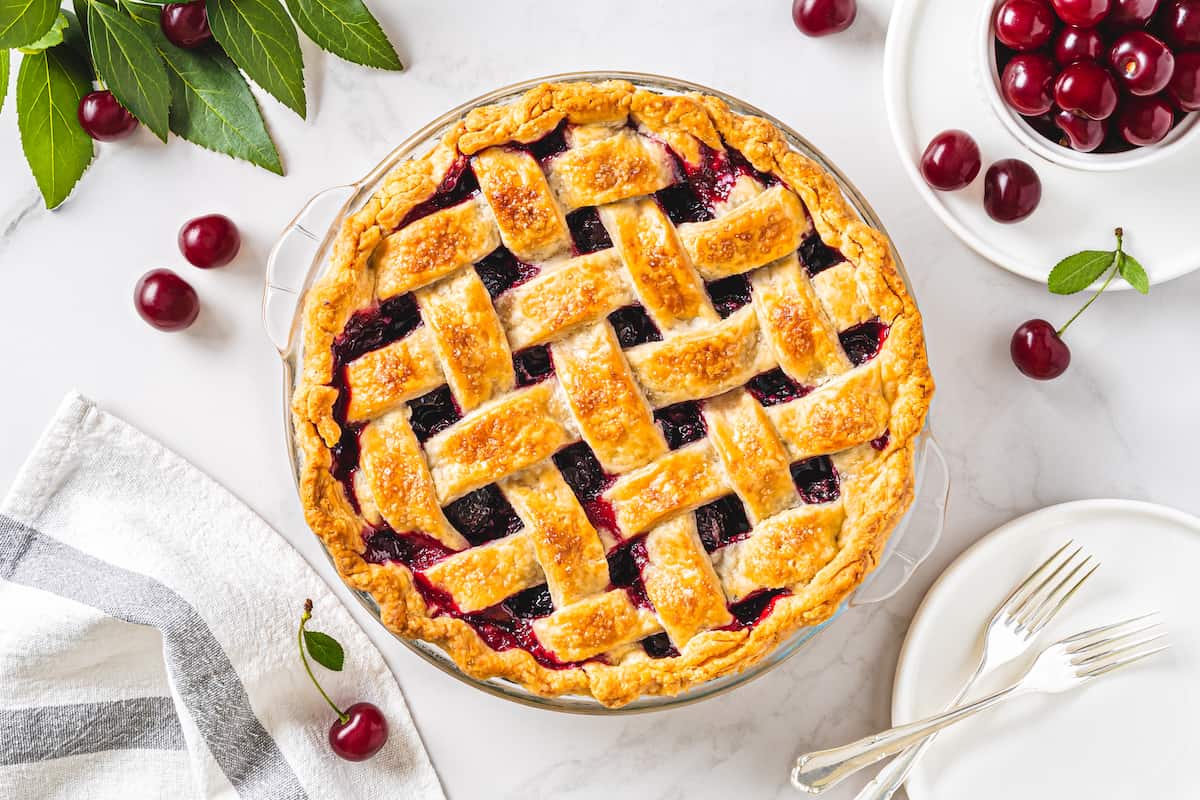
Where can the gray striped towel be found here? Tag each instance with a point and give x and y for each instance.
(148, 638)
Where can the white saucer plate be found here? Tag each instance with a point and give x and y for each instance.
(1133, 734)
(933, 81)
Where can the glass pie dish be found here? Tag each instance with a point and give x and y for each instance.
(303, 252)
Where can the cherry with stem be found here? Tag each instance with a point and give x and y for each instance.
(1037, 348)
(361, 730)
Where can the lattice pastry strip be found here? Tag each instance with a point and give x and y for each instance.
(562, 297)
(433, 247)
(605, 168)
(530, 221)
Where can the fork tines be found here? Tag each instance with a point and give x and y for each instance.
(1032, 608)
(1101, 650)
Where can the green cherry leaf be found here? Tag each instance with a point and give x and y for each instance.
(4, 66)
(261, 39)
(50, 85)
(211, 103)
(346, 29)
(25, 21)
(49, 38)
(129, 64)
(75, 37)
(1079, 271)
(1134, 273)
(325, 650)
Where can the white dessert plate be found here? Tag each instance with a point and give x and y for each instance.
(934, 80)
(1135, 733)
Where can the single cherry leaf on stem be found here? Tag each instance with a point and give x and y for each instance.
(211, 103)
(1079, 271)
(25, 21)
(127, 61)
(325, 650)
(261, 39)
(346, 29)
(50, 85)
(1134, 273)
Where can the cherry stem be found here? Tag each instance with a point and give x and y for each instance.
(1112, 273)
(343, 717)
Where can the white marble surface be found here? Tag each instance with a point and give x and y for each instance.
(1122, 422)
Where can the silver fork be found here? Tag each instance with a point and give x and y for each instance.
(1008, 634)
(1064, 665)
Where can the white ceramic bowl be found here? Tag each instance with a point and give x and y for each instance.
(1184, 132)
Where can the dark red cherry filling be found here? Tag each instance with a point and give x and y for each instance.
(681, 423)
(755, 608)
(882, 442)
(483, 515)
(681, 204)
(634, 326)
(729, 294)
(659, 646)
(775, 387)
(863, 341)
(550, 145)
(345, 457)
(625, 565)
(816, 479)
(458, 185)
(587, 231)
(433, 412)
(816, 256)
(722, 522)
(373, 328)
(713, 178)
(501, 271)
(531, 603)
(414, 550)
(588, 480)
(533, 365)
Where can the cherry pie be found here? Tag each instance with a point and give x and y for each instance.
(609, 393)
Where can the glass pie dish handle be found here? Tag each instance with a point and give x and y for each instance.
(293, 261)
(922, 527)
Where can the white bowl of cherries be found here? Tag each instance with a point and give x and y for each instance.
(1096, 85)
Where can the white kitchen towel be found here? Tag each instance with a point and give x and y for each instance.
(148, 638)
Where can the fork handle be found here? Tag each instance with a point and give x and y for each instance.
(818, 771)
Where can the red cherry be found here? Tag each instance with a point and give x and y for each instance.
(185, 24)
(1086, 88)
(1143, 121)
(209, 241)
(1025, 24)
(1038, 351)
(1132, 12)
(362, 735)
(1081, 133)
(1078, 44)
(951, 161)
(1011, 190)
(1085, 13)
(103, 118)
(1181, 23)
(1142, 63)
(823, 17)
(165, 300)
(1184, 87)
(1028, 83)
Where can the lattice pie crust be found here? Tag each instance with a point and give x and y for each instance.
(698, 604)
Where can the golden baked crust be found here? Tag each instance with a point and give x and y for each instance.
(866, 418)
